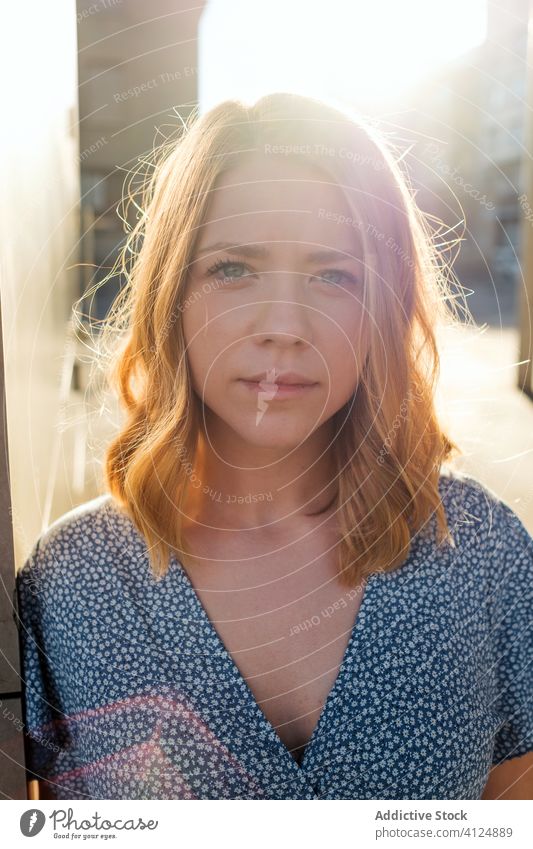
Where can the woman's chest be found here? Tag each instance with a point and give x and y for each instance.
(411, 715)
(286, 632)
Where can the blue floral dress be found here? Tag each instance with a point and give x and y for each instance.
(131, 694)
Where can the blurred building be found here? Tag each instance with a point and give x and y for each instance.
(469, 122)
(138, 80)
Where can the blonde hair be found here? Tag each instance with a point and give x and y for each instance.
(390, 449)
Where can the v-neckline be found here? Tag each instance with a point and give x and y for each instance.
(355, 635)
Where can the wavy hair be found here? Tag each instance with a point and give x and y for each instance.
(389, 447)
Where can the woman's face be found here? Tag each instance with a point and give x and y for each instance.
(268, 305)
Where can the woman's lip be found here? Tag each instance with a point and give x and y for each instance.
(278, 390)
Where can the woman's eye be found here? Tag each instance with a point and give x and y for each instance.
(228, 269)
(231, 270)
(348, 278)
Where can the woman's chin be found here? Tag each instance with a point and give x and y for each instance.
(274, 436)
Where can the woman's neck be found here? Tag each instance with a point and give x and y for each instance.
(266, 487)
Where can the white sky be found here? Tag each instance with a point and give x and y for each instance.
(360, 51)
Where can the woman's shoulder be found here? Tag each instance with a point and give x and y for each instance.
(83, 543)
(490, 604)
(462, 488)
(466, 498)
(483, 522)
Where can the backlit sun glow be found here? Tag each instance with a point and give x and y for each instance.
(353, 50)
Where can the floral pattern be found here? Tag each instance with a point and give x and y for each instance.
(131, 694)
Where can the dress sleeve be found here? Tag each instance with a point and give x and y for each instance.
(512, 631)
(40, 703)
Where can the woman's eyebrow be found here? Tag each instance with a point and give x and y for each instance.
(260, 252)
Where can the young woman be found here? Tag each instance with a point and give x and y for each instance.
(284, 592)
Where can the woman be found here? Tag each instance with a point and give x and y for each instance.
(284, 592)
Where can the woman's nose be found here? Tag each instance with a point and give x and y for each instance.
(283, 314)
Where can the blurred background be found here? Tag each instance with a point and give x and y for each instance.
(90, 88)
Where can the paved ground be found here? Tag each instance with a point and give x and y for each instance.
(478, 398)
